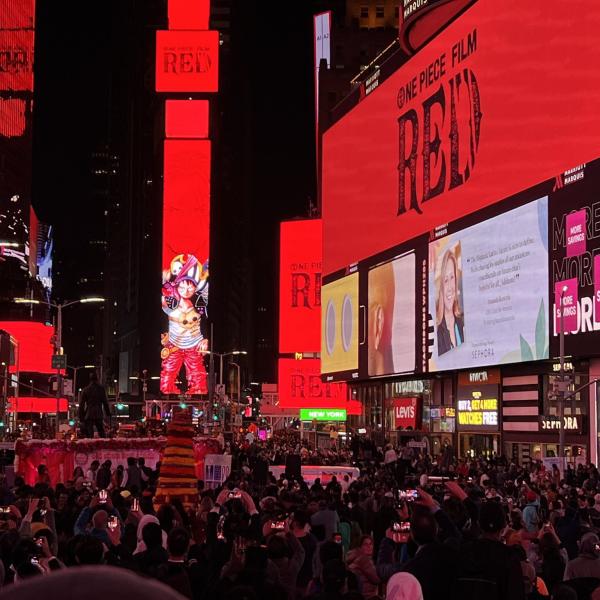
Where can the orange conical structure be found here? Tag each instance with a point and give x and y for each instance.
(177, 477)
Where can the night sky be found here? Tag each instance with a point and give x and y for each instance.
(74, 58)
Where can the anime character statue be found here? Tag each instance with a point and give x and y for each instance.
(184, 299)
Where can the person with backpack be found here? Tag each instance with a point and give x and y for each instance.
(488, 568)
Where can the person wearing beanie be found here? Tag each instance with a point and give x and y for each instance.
(587, 564)
(530, 512)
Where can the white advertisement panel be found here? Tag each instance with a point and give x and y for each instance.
(488, 291)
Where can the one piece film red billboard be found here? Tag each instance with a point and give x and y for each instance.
(187, 61)
(496, 103)
(186, 229)
(300, 252)
(300, 386)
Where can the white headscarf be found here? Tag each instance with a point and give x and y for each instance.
(141, 546)
(404, 586)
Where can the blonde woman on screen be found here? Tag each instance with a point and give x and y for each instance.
(449, 319)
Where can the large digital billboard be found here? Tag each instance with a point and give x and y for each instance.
(186, 223)
(339, 326)
(300, 251)
(184, 14)
(392, 317)
(300, 386)
(486, 109)
(575, 259)
(187, 61)
(17, 19)
(488, 290)
(35, 347)
(16, 45)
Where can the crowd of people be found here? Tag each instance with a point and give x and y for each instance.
(409, 527)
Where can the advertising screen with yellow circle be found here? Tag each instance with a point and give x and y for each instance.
(339, 325)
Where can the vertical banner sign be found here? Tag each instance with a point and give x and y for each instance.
(576, 233)
(565, 300)
(186, 226)
(300, 251)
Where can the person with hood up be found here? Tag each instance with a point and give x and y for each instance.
(141, 545)
(404, 586)
(360, 562)
(587, 564)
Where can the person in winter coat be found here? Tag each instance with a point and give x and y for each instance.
(587, 564)
(360, 562)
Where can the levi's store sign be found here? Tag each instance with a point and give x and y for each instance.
(187, 61)
(462, 125)
(406, 413)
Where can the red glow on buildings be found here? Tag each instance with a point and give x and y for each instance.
(35, 347)
(186, 119)
(184, 14)
(187, 61)
(37, 405)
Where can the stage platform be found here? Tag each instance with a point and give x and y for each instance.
(61, 457)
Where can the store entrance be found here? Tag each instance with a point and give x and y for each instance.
(473, 445)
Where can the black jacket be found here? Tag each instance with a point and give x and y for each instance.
(93, 400)
(443, 335)
(491, 560)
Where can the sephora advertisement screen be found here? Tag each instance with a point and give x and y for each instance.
(488, 290)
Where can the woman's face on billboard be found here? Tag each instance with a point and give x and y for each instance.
(449, 280)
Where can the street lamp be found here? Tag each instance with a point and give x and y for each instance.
(221, 355)
(58, 345)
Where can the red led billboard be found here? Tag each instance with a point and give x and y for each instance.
(499, 101)
(37, 405)
(300, 252)
(186, 119)
(17, 19)
(184, 14)
(187, 61)
(35, 347)
(186, 229)
(186, 199)
(300, 386)
(12, 117)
